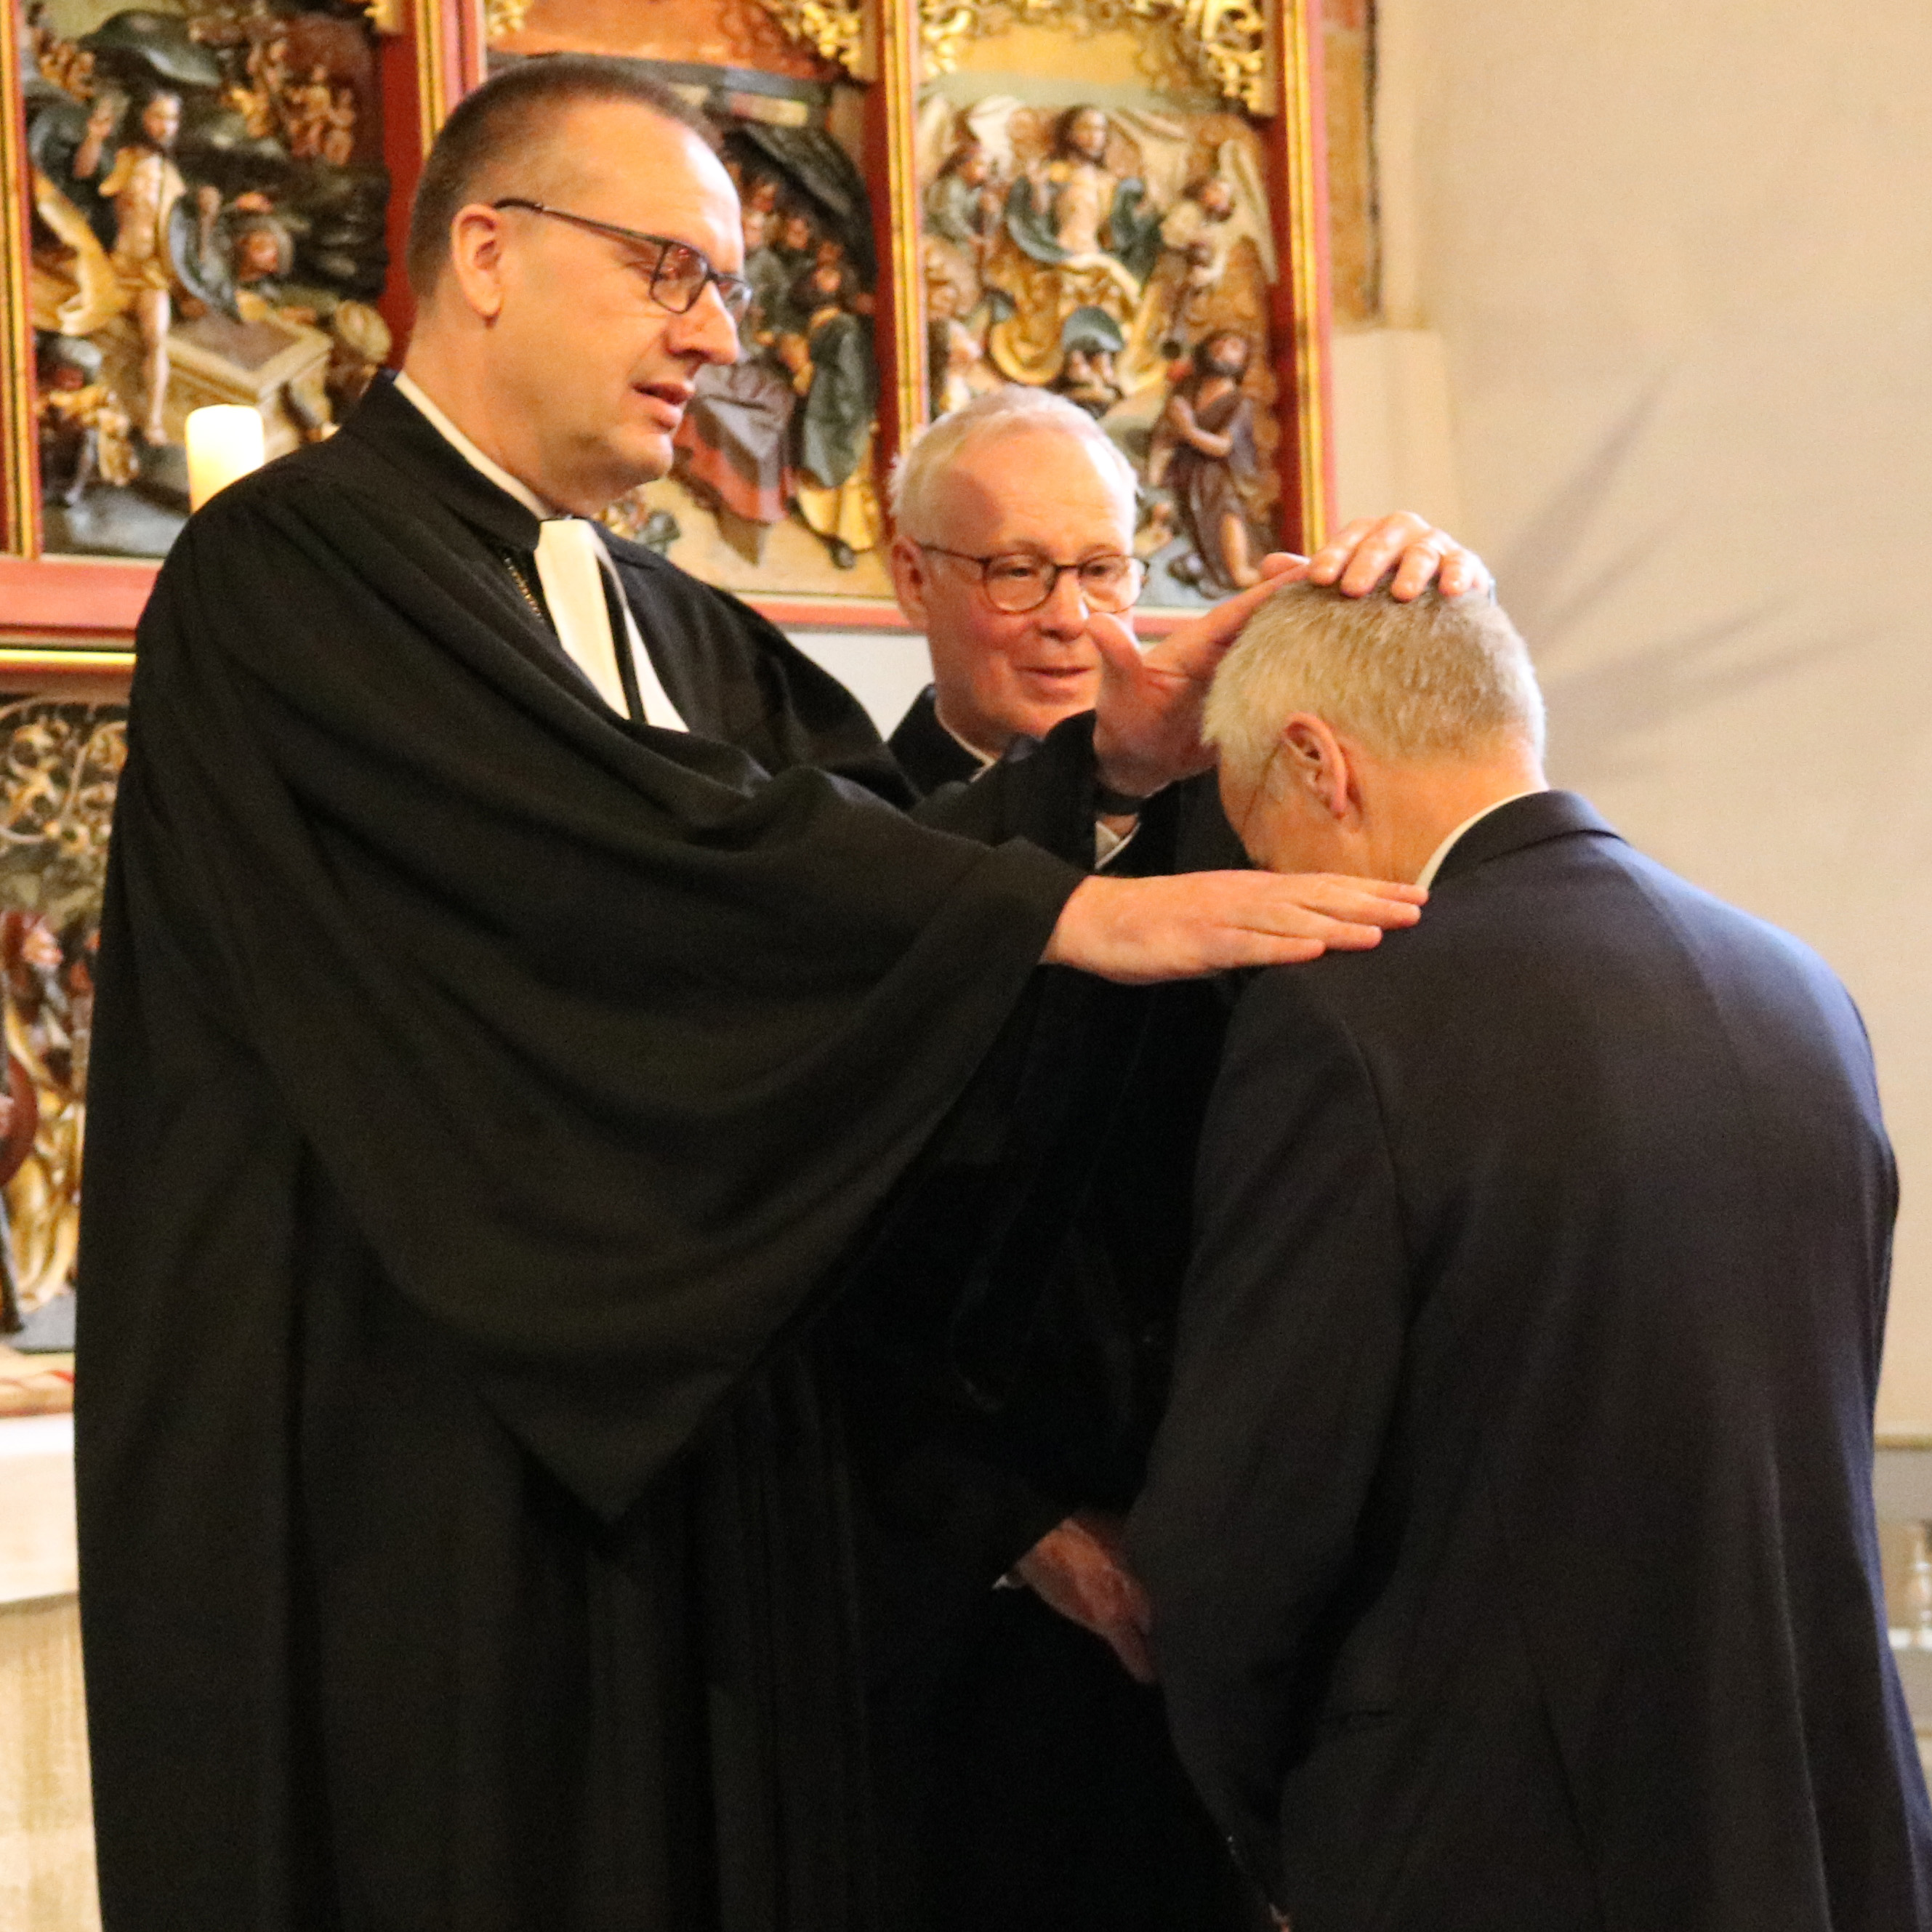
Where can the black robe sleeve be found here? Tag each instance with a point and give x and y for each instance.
(609, 1041)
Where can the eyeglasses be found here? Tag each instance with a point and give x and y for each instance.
(1018, 581)
(679, 272)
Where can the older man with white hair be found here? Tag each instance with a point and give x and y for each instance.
(1029, 1774)
(1509, 1536)
(1014, 553)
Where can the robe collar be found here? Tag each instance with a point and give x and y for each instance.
(413, 391)
(403, 436)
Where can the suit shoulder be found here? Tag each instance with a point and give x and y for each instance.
(1300, 1008)
(1710, 925)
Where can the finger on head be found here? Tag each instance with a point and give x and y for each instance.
(1332, 559)
(1420, 563)
(1373, 562)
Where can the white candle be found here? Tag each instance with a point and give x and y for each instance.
(223, 441)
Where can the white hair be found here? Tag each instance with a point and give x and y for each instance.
(1013, 410)
(1438, 678)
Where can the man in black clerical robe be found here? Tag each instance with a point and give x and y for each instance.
(489, 1076)
(1028, 1780)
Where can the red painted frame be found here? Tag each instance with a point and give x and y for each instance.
(81, 612)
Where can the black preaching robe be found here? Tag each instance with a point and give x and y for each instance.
(484, 1089)
(1026, 1781)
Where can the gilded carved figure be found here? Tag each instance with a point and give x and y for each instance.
(1203, 453)
(1122, 258)
(199, 218)
(59, 765)
(1075, 235)
(791, 428)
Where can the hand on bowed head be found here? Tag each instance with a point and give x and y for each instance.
(1148, 728)
(1182, 927)
(1076, 1568)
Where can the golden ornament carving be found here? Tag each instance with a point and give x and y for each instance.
(1221, 44)
(60, 764)
(835, 30)
(502, 18)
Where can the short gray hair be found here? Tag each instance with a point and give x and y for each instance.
(1438, 678)
(1014, 410)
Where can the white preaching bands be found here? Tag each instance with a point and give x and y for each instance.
(571, 560)
(572, 564)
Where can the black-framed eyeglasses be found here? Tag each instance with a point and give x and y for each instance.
(679, 272)
(1019, 580)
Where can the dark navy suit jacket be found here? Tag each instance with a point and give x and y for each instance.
(1509, 1532)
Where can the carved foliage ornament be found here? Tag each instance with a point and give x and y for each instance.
(835, 30)
(502, 18)
(1224, 41)
(1221, 43)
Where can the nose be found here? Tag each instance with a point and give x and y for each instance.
(1064, 612)
(705, 329)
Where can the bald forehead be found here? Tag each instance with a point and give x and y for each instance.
(1032, 484)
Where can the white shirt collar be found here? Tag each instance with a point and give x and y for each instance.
(410, 388)
(1427, 877)
(987, 760)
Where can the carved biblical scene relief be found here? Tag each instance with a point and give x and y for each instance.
(777, 489)
(59, 763)
(1095, 222)
(207, 204)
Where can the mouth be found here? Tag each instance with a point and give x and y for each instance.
(670, 396)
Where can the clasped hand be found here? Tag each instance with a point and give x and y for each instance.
(1077, 1569)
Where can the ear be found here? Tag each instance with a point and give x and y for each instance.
(1315, 760)
(476, 239)
(909, 577)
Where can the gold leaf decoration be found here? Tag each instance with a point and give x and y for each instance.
(1221, 44)
(835, 30)
(502, 18)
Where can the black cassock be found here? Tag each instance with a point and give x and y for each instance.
(1026, 1781)
(484, 1088)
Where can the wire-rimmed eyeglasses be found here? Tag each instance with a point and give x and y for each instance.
(678, 272)
(1019, 580)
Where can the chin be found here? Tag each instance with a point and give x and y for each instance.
(1038, 719)
(642, 459)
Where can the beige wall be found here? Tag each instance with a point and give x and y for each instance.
(1677, 261)
(46, 1835)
